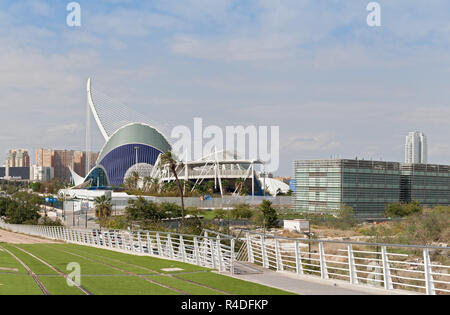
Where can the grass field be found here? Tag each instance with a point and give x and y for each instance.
(107, 272)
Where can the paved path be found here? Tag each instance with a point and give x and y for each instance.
(16, 238)
(309, 285)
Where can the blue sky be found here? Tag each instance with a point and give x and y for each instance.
(313, 67)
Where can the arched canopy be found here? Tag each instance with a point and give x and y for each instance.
(129, 145)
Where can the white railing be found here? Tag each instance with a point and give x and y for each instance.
(205, 251)
(423, 269)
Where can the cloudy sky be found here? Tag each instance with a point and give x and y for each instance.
(334, 85)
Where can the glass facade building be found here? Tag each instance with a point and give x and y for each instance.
(426, 183)
(322, 186)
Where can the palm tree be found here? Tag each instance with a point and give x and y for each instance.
(167, 159)
(129, 183)
(239, 183)
(147, 182)
(135, 176)
(155, 187)
(102, 207)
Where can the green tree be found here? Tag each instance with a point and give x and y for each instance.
(129, 183)
(220, 214)
(241, 211)
(395, 210)
(346, 217)
(141, 209)
(103, 207)
(167, 159)
(269, 214)
(170, 210)
(23, 207)
(4, 205)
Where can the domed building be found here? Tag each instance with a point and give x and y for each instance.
(133, 144)
(129, 145)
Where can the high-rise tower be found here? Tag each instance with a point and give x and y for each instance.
(416, 148)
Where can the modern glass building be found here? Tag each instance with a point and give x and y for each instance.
(426, 183)
(132, 144)
(322, 186)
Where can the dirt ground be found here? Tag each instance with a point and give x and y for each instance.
(15, 238)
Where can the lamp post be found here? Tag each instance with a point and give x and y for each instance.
(137, 149)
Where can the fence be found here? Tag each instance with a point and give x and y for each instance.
(205, 251)
(418, 268)
(226, 201)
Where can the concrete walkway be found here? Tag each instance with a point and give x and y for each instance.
(310, 285)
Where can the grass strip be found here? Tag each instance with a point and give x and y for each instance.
(123, 286)
(19, 284)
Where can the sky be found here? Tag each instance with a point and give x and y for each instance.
(335, 86)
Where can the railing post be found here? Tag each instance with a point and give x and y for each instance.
(232, 247)
(386, 270)
(196, 251)
(140, 242)
(263, 252)
(181, 249)
(123, 240)
(323, 262)
(298, 259)
(277, 255)
(149, 244)
(210, 245)
(429, 282)
(250, 249)
(131, 239)
(169, 244)
(158, 243)
(351, 266)
(219, 253)
(109, 239)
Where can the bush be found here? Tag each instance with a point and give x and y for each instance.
(170, 210)
(427, 228)
(142, 209)
(22, 207)
(396, 210)
(220, 214)
(241, 211)
(269, 214)
(115, 223)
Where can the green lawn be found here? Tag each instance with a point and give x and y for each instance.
(18, 284)
(108, 272)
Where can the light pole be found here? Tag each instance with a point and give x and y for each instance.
(137, 149)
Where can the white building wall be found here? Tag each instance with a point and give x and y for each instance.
(41, 173)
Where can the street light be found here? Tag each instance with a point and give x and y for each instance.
(137, 149)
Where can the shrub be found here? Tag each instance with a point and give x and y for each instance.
(395, 210)
(269, 214)
(170, 210)
(220, 214)
(241, 211)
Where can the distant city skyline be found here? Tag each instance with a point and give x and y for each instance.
(17, 158)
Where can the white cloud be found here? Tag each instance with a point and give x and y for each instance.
(323, 141)
(432, 115)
